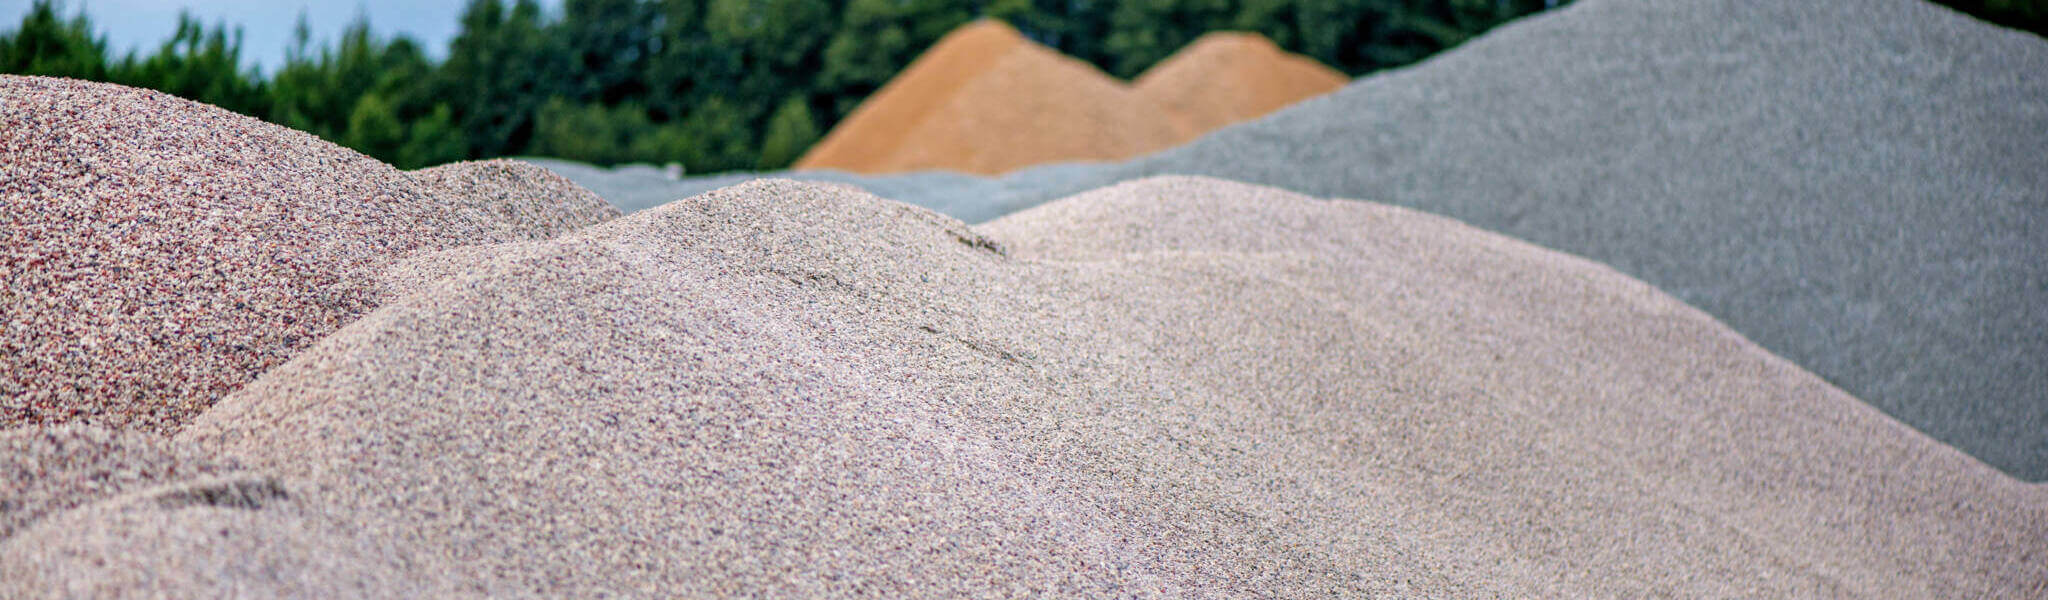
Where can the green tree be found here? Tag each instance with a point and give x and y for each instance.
(199, 63)
(373, 127)
(501, 68)
(790, 132)
(319, 93)
(586, 132)
(715, 84)
(721, 137)
(431, 140)
(1142, 32)
(610, 44)
(2029, 15)
(45, 44)
(877, 38)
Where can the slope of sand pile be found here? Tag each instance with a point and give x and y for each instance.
(1227, 77)
(159, 253)
(984, 82)
(1857, 186)
(51, 469)
(1166, 388)
(527, 202)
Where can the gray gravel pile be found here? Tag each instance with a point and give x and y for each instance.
(1173, 387)
(1858, 186)
(528, 202)
(970, 198)
(158, 253)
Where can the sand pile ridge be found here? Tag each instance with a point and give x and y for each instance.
(1225, 77)
(159, 253)
(1853, 185)
(985, 81)
(1184, 386)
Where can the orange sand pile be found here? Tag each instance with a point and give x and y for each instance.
(1226, 77)
(986, 100)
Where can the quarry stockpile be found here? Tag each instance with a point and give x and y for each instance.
(985, 82)
(1226, 77)
(1171, 387)
(159, 253)
(1857, 186)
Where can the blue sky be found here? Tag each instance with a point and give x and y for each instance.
(266, 24)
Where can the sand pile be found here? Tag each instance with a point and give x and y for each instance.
(1855, 186)
(527, 202)
(1184, 387)
(1227, 77)
(159, 253)
(985, 81)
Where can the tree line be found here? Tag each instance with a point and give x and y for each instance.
(713, 84)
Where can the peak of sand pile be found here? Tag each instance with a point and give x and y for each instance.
(1855, 185)
(159, 253)
(1226, 77)
(1168, 388)
(984, 99)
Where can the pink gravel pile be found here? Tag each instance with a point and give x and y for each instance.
(1168, 388)
(159, 253)
(527, 202)
(51, 469)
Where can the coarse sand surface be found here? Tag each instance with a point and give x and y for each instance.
(158, 253)
(526, 202)
(1166, 388)
(1856, 186)
(985, 81)
(1229, 76)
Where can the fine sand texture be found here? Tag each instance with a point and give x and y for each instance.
(1857, 186)
(1225, 77)
(159, 253)
(1174, 387)
(986, 81)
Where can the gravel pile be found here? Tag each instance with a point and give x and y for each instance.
(986, 81)
(527, 201)
(52, 469)
(159, 253)
(1856, 186)
(1227, 76)
(1172, 387)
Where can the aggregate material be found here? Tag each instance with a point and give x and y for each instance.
(1225, 77)
(159, 253)
(986, 81)
(1857, 186)
(1166, 388)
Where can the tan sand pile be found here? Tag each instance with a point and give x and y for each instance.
(159, 253)
(982, 82)
(526, 201)
(1167, 388)
(56, 468)
(1226, 77)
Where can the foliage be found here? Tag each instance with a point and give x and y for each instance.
(595, 133)
(790, 131)
(202, 64)
(713, 84)
(48, 45)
